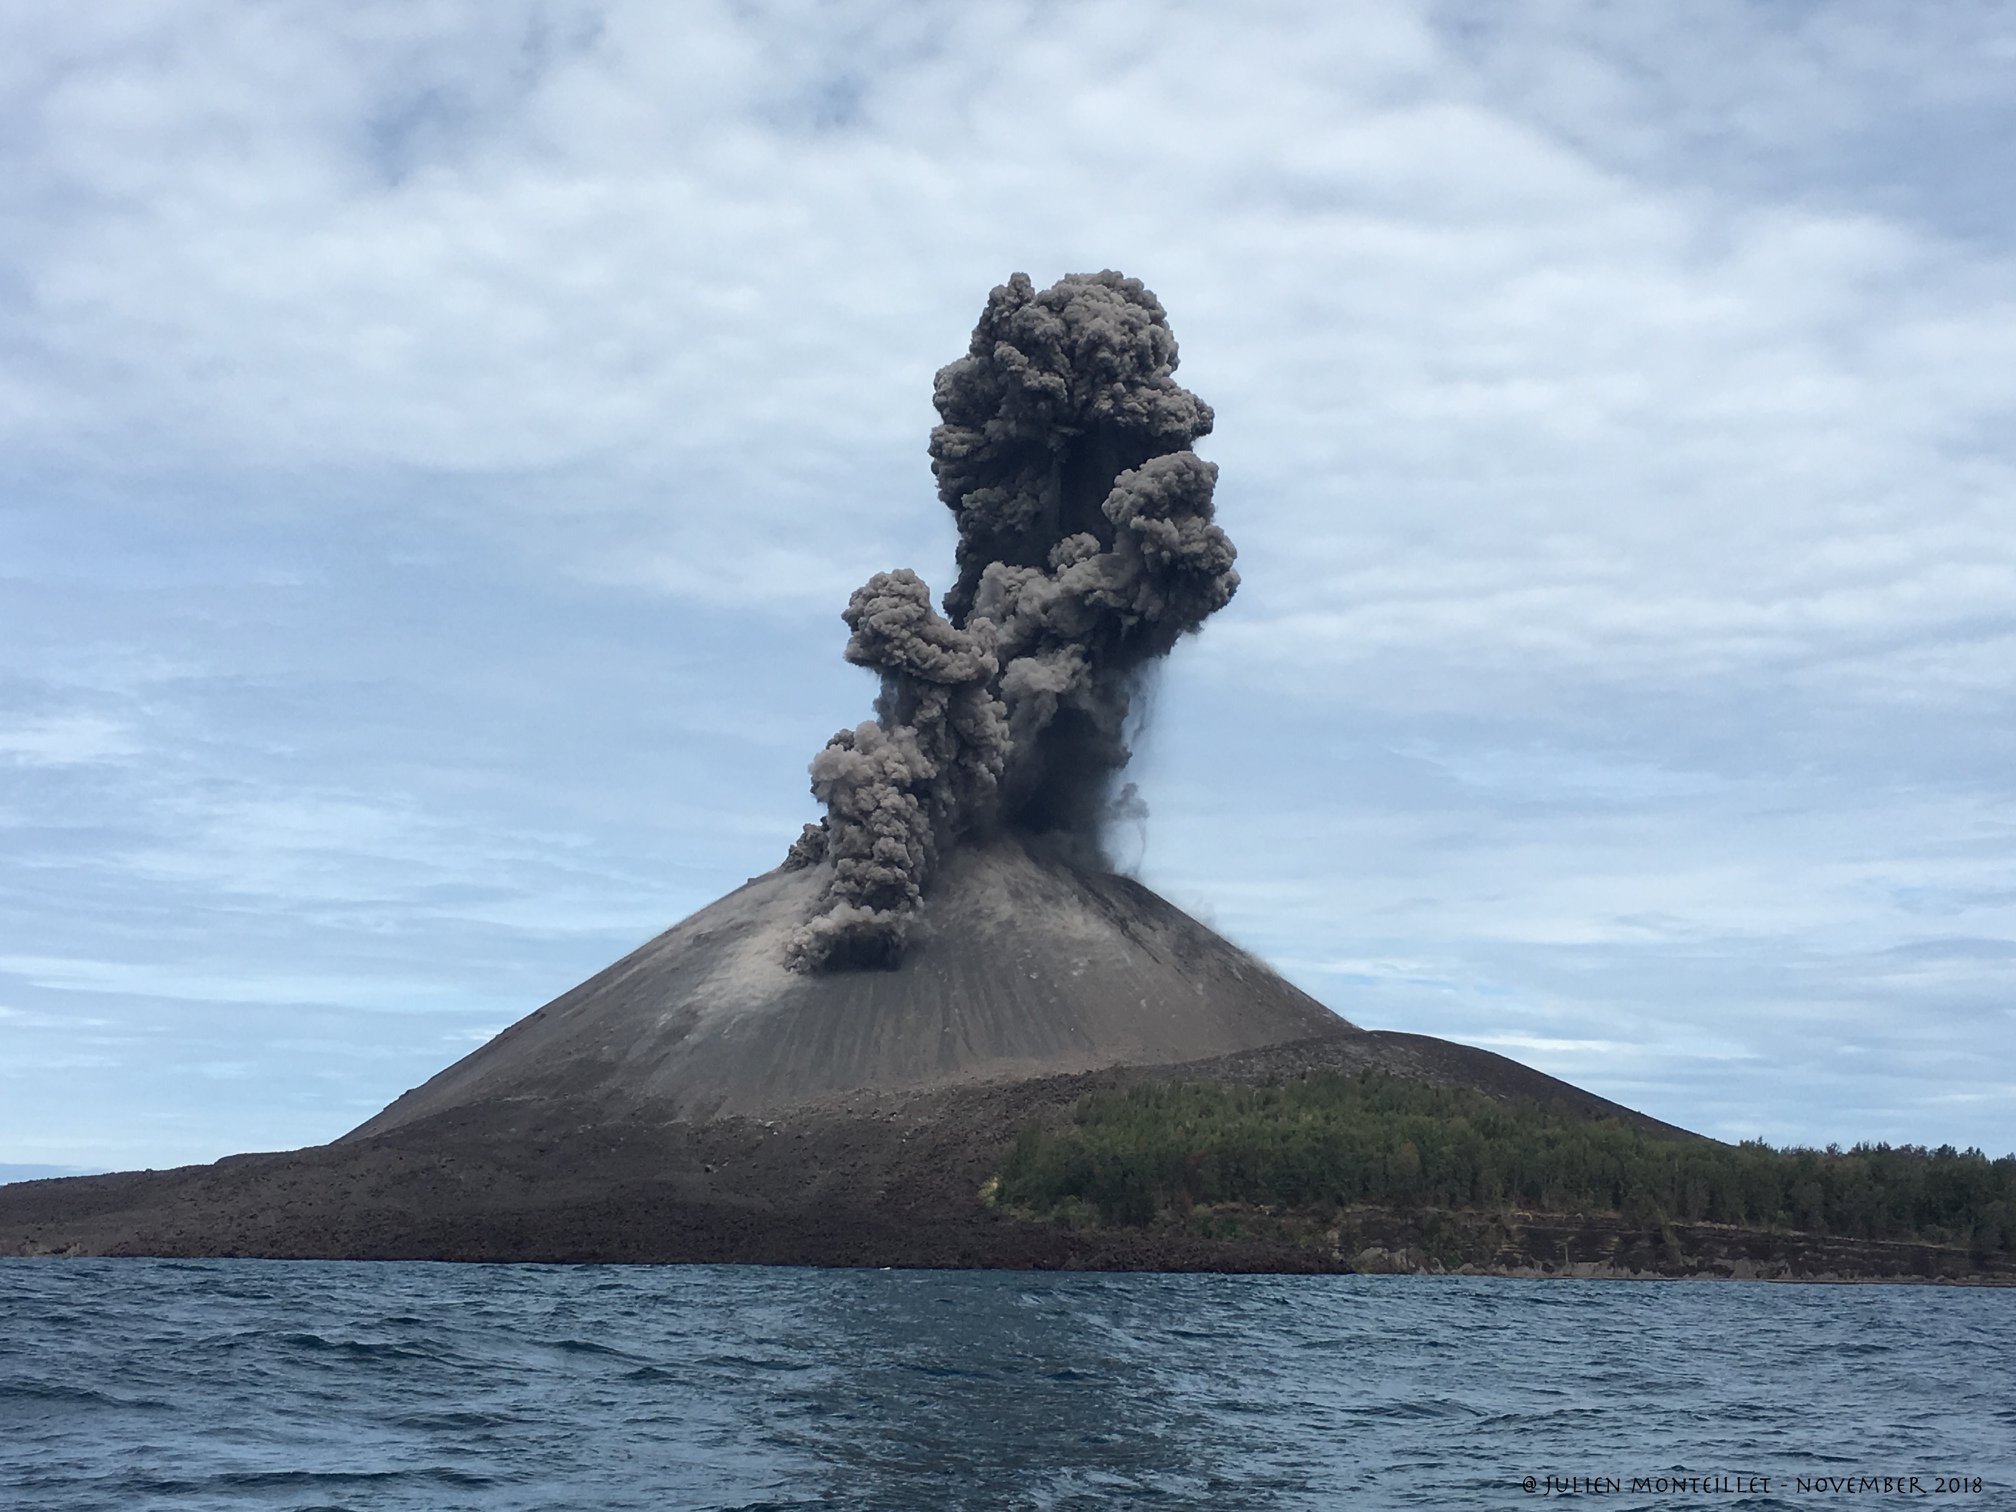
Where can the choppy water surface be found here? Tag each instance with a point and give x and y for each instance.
(187, 1385)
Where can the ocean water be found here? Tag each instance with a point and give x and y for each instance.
(255, 1384)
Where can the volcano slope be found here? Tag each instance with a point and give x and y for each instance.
(1027, 965)
(698, 1100)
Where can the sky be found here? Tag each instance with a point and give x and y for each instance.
(437, 440)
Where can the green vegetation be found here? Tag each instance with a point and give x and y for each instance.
(1155, 1153)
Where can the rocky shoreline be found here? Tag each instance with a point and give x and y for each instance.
(891, 1179)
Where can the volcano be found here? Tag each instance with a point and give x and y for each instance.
(952, 918)
(825, 1065)
(1023, 965)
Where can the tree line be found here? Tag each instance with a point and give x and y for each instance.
(1336, 1140)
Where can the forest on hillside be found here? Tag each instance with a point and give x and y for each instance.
(1152, 1152)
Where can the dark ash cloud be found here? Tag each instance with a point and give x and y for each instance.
(1086, 550)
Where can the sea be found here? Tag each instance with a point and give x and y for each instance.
(186, 1385)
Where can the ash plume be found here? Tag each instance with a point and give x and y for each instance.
(1086, 549)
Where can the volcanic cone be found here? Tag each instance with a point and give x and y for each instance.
(1023, 964)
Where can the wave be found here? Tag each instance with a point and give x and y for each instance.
(78, 1396)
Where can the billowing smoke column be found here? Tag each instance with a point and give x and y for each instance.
(1086, 548)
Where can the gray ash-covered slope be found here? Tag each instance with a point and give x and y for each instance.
(1021, 965)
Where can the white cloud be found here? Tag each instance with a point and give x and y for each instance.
(1628, 421)
(66, 740)
(174, 983)
(1555, 1047)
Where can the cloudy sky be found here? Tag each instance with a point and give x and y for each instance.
(438, 439)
